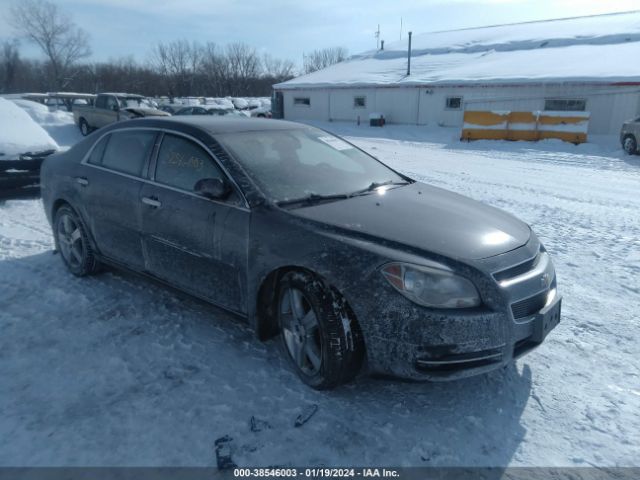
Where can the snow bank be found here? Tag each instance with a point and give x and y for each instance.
(57, 123)
(19, 133)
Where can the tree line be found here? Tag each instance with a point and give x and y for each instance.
(176, 68)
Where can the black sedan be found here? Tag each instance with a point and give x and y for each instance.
(307, 237)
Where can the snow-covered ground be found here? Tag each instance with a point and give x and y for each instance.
(114, 370)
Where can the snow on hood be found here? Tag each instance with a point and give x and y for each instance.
(147, 112)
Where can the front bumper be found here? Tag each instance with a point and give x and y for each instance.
(409, 341)
(452, 347)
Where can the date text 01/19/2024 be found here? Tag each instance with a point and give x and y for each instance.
(315, 472)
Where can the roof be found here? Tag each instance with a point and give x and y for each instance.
(215, 125)
(544, 51)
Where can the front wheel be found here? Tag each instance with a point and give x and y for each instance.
(72, 242)
(630, 145)
(318, 332)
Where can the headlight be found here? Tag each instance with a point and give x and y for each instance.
(431, 287)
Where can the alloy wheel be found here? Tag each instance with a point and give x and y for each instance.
(70, 240)
(301, 331)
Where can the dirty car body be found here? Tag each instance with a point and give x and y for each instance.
(380, 248)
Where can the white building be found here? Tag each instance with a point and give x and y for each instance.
(577, 64)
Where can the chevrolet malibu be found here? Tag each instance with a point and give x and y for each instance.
(353, 265)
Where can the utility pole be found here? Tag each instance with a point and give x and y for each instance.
(409, 56)
(400, 28)
(378, 38)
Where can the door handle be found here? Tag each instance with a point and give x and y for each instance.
(82, 181)
(152, 202)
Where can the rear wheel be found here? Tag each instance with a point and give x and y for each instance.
(630, 145)
(84, 127)
(319, 335)
(72, 242)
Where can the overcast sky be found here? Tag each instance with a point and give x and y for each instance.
(288, 28)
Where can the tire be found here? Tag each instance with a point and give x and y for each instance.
(318, 332)
(629, 145)
(85, 129)
(72, 242)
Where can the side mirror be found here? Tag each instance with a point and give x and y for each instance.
(215, 188)
(115, 108)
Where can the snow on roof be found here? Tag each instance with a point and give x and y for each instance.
(20, 134)
(551, 50)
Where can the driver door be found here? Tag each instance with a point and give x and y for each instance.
(195, 243)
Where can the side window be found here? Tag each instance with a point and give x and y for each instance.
(181, 163)
(96, 154)
(453, 103)
(101, 101)
(127, 151)
(566, 105)
(111, 102)
(302, 101)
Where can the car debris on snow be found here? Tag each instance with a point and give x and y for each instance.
(258, 425)
(223, 453)
(306, 414)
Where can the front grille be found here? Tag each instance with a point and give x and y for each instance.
(517, 269)
(529, 306)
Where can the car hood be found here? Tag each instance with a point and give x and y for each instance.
(427, 218)
(147, 112)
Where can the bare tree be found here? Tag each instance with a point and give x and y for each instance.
(57, 36)
(215, 69)
(277, 68)
(9, 65)
(178, 62)
(244, 65)
(319, 59)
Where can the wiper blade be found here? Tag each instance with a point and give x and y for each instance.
(375, 185)
(313, 199)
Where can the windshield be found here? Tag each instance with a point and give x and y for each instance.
(293, 164)
(135, 103)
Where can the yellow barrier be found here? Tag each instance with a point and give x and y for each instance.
(530, 126)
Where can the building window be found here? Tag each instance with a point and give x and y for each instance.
(453, 103)
(566, 105)
(304, 101)
(359, 102)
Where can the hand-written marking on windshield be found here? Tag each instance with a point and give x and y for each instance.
(335, 143)
(181, 160)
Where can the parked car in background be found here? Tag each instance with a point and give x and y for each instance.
(171, 109)
(260, 112)
(307, 237)
(630, 135)
(113, 107)
(208, 110)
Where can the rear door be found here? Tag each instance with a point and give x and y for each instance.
(110, 181)
(195, 243)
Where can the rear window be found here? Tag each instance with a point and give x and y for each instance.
(126, 152)
(98, 151)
